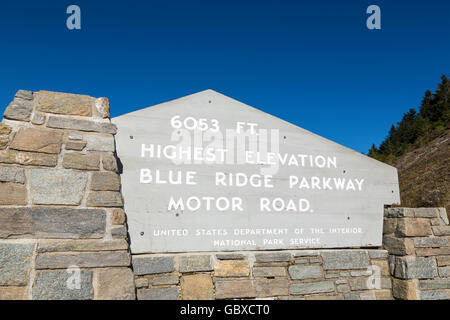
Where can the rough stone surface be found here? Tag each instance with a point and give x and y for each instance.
(104, 143)
(197, 287)
(230, 256)
(426, 212)
(434, 284)
(4, 141)
(141, 283)
(13, 293)
(83, 260)
(101, 107)
(61, 245)
(81, 161)
(441, 230)
(305, 272)
(165, 280)
(19, 109)
(45, 222)
(443, 215)
(15, 262)
(378, 254)
(269, 272)
(28, 158)
(231, 268)
(105, 199)
(119, 232)
(195, 263)
(152, 264)
(60, 285)
(227, 289)
(24, 94)
(75, 145)
(5, 129)
(63, 187)
(166, 293)
(399, 212)
(118, 217)
(38, 119)
(64, 103)
(37, 140)
(273, 257)
(109, 163)
(429, 252)
(415, 268)
(12, 174)
(389, 225)
(443, 261)
(311, 287)
(271, 287)
(430, 242)
(105, 181)
(410, 227)
(398, 246)
(81, 125)
(114, 284)
(13, 194)
(434, 295)
(345, 259)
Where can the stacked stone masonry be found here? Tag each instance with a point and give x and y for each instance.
(62, 226)
(418, 242)
(63, 231)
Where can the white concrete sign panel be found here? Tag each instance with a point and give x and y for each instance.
(208, 173)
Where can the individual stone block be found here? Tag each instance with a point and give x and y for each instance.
(101, 108)
(269, 272)
(271, 287)
(64, 103)
(443, 261)
(444, 272)
(15, 260)
(434, 295)
(234, 289)
(398, 246)
(119, 232)
(273, 257)
(197, 287)
(429, 252)
(351, 296)
(345, 259)
(75, 145)
(81, 161)
(434, 284)
(105, 181)
(311, 287)
(331, 276)
(81, 125)
(13, 293)
(165, 280)
(104, 143)
(399, 212)
(306, 253)
(24, 94)
(60, 245)
(426, 212)
(430, 242)
(28, 158)
(231, 268)
(109, 163)
(441, 231)
(45, 222)
(343, 288)
(62, 187)
(114, 284)
(19, 109)
(305, 272)
(63, 285)
(12, 174)
(118, 216)
(378, 254)
(13, 194)
(152, 264)
(141, 283)
(37, 140)
(230, 256)
(383, 295)
(383, 265)
(443, 215)
(415, 268)
(166, 293)
(5, 129)
(389, 225)
(413, 227)
(83, 260)
(38, 119)
(195, 263)
(105, 199)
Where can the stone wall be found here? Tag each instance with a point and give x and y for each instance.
(302, 274)
(62, 232)
(418, 241)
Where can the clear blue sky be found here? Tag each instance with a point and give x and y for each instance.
(312, 63)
